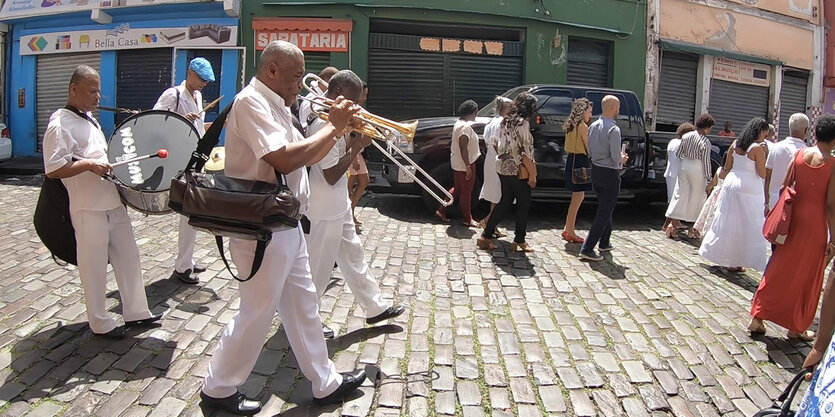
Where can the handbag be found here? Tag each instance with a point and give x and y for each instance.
(580, 175)
(782, 406)
(778, 220)
(232, 207)
(53, 223)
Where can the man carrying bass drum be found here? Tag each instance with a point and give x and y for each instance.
(186, 100)
(75, 151)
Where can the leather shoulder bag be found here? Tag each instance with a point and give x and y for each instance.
(232, 207)
(581, 175)
(778, 220)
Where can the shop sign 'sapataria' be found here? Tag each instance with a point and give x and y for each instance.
(125, 37)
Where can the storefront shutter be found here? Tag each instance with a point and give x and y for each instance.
(405, 84)
(677, 88)
(588, 63)
(52, 84)
(737, 103)
(792, 98)
(315, 62)
(482, 78)
(141, 76)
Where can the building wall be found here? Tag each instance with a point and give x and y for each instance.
(546, 37)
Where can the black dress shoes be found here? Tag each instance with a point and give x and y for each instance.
(390, 312)
(198, 269)
(144, 322)
(327, 332)
(236, 404)
(186, 276)
(350, 382)
(117, 333)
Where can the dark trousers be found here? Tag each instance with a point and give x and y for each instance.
(462, 190)
(606, 183)
(512, 188)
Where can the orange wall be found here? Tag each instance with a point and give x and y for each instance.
(717, 28)
(809, 10)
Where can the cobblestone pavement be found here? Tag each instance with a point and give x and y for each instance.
(651, 331)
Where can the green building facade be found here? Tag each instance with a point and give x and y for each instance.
(423, 57)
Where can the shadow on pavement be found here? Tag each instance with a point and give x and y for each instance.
(62, 361)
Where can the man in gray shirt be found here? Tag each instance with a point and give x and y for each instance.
(607, 158)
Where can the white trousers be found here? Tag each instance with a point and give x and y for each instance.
(337, 240)
(689, 195)
(185, 246)
(100, 235)
(282, 283)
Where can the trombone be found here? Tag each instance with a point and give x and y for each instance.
(381, 129)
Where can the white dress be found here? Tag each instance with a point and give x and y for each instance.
(735, 238)
(673, 165)
(491, 190)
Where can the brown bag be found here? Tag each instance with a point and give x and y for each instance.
(226, 206)
(523, 171)
(580, 175)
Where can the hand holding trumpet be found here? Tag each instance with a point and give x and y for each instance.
(342, 113)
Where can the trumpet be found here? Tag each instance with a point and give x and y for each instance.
(381, 129)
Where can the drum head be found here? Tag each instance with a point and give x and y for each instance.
(146, 133)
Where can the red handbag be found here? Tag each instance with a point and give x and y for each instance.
(778, 220)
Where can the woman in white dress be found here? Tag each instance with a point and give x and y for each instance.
(735, 238)
(491, 190)
(693, 175)
(673, 165)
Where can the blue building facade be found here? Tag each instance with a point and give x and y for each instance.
(139, 52)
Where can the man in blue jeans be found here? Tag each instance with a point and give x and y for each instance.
(607, 158)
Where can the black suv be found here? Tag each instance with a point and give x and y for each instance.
(430, 148)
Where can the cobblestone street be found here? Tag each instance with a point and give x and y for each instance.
(651, 331)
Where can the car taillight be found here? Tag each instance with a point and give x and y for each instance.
(538, 120)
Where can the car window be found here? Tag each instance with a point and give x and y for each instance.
(596, 99)
(490, 109)
(554, 105)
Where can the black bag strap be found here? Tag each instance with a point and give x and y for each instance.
(177, 109)
(209, 140)
(260, 248)
(790, 392)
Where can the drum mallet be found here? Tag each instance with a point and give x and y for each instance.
(162, 154)
(212, 104)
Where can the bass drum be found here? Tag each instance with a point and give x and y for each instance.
(143, 185)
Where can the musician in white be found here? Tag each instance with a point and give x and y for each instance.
(260, 141)
(75, 150)
(333, 235)
(306, 114)
(186, 99)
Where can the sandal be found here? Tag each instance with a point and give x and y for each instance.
(756, 329)
(572, 238)
(693, 234)
(671, 232)
(737, 269)
(807, 336)
(471, 223)
(524, 246)
(485, 244)
(441, 216)
(497, 233)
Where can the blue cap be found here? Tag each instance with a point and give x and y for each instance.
(202, 68)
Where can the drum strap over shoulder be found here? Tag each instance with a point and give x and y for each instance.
(85, 116)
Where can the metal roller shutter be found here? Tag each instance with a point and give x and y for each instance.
(397, 96)
(677, 88)
(481, 78)
(52, 83)
(315, 62)
(737, 103)
(588, 63)
(792, 98)
(141, 76)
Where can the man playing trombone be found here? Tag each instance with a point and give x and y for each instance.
(333, 235)
(186, 100)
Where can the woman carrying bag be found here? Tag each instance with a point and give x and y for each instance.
(517, 172)
(576, 129)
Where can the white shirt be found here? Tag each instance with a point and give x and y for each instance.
(168, 101)
(327, 202)
(779, 159)
(463, 128)
(259, 123)
(491, 133)
(673, 161)
(69, 136)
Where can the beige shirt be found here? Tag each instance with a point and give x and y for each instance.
(463, 128)
(69, 136)
(259, 123)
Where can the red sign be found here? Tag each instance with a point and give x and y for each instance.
(319, 35)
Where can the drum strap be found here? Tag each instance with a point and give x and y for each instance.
(83, 115)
